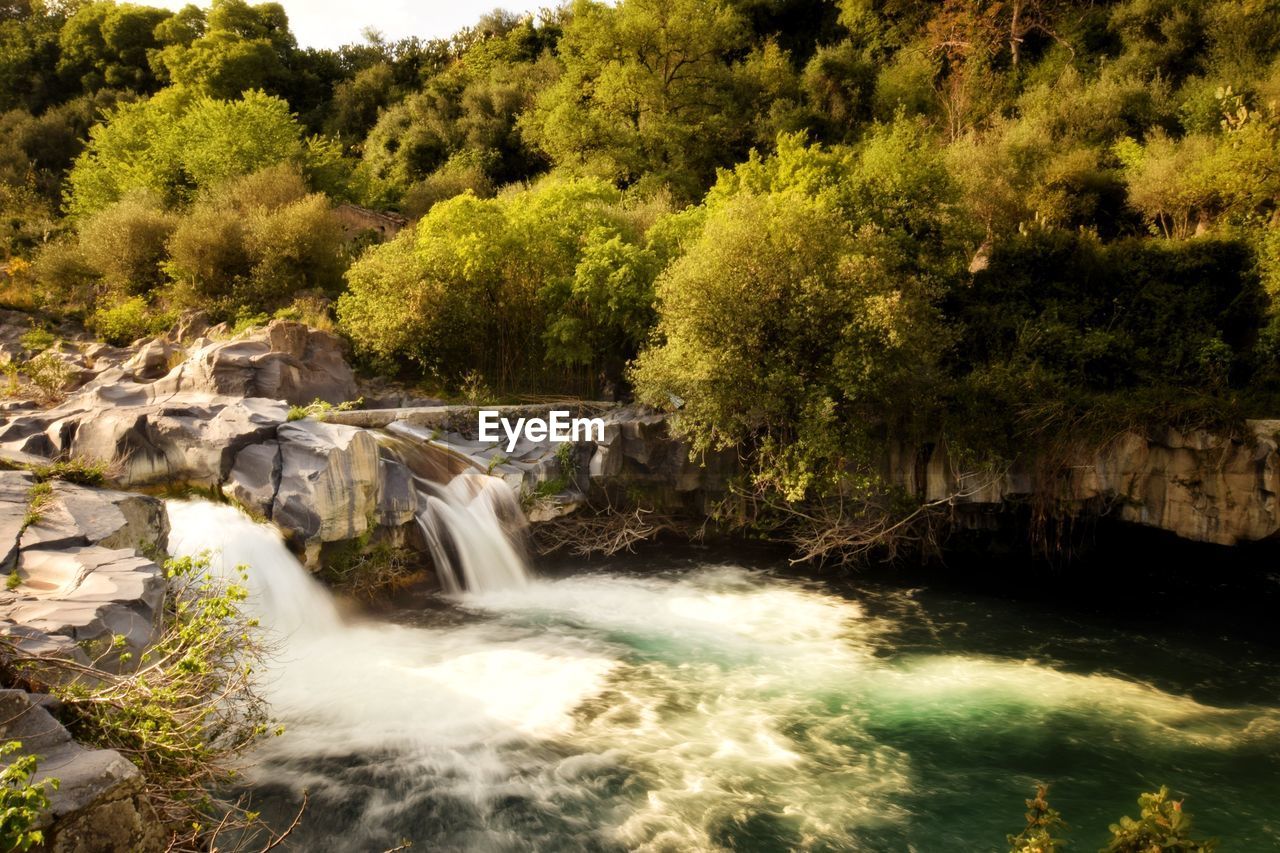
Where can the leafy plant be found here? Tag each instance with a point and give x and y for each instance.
(37, 339)
(49, 374)
(1043, 821)
(187, 709)
(125, 322)
(318, 409)
(21, 803)
(1161, 825)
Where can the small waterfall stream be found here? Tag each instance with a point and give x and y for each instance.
(472, 523)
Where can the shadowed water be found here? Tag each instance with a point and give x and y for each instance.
(670, 705)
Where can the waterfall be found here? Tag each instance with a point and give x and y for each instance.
(282, 594)
(472, 525)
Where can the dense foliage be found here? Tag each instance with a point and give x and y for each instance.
(803, 225)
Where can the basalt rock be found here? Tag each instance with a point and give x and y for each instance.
(98, 804)
(186, 425)
(1200, 486)
(323, 484)
(75, 567)
(286, 361)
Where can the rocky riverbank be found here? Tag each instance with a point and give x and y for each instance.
(201, 409)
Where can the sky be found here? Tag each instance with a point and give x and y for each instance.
(330, 23)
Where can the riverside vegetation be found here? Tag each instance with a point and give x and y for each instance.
(803, 227)
(814, 224)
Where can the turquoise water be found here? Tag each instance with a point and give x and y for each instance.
(703, 706)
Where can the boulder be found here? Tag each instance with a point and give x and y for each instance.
(172, 443)
(90, 594)
(99, 804)
(286, 361)
(255, 477)
(78, 515)
(153, 360)
(329, 484)
(15, 495)
(398, 497)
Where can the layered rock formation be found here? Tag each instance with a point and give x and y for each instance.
(78, 587)
(185, 425)
(98, 804)
(1200, 486)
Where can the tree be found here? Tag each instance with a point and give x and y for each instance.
(252, 243)
(792, 324)
(650, 86)
(240, 48)
(108, 45)
(175, 144)
(466, 114)
(556, 275)
(29, 58)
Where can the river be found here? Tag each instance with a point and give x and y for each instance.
(718, 703)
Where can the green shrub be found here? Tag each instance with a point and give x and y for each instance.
(125, 322)
(38, 339)
(253, 243)
(125, 243)
(1106, 316)
(49, 374)
(1043, 821)
(318, 409)
(21, 803)
(64, 279)
(1161, 825)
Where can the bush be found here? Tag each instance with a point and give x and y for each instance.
(126, 322)
(1043, 821)
(557, 275)
(253, 243)
(21, 803)
(38, 339)
(1106, 316)
(64, 278)
(796, 323)
(462, 173)
(1161, 826)
(125, 243)
(174, 143)
(49, 374)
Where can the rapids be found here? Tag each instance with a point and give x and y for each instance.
(669, 704)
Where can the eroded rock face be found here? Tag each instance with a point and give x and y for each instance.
(91, 595)
(173, 443)
(98, 805)
(76, 588)
(78, 567)
(286, 361)
(318, 482)
(154, 424)
(1197, 485)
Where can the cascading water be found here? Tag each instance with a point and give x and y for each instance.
(283, 595)
(472, 524)
(704, 707)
